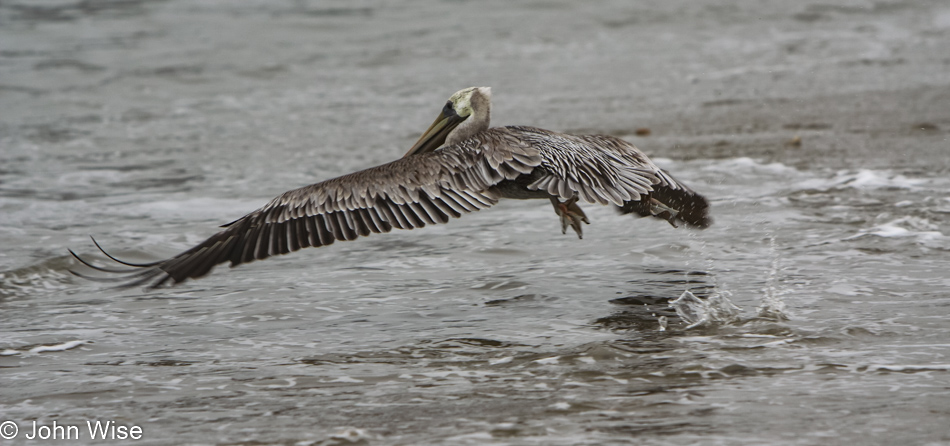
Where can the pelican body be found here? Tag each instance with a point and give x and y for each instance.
(459, 165)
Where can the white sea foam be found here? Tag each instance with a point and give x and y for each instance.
(57, 347)
(921, 230)
(864, 179)
(503, 360)
(350, 435)
(769, 179)
(345, 379)
(909, 367)
(31, 280)
(746, 164)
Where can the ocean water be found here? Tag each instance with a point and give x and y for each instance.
(813, 311)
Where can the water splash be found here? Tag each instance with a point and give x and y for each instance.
(716, 309)
(772, 307)
(719, 309)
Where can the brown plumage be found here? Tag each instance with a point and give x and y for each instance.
(457, 167)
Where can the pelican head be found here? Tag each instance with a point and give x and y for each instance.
(466, 113)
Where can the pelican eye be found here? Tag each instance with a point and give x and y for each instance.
(449, 111)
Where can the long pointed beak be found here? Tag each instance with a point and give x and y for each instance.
(434, 137)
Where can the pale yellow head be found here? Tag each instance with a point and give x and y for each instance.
(466, 113)
(462, 100)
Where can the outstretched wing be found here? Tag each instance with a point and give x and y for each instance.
(608, 170)
(596, 168)
(408, 193)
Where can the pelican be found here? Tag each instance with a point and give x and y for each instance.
(458, 166)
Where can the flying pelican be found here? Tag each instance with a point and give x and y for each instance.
(458, 166)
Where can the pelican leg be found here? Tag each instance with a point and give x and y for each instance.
(571, 215)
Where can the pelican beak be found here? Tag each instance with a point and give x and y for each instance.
(434, 137)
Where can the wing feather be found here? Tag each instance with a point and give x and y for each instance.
(428, 188)
(597, 168)
(323, 230)
(604, 169)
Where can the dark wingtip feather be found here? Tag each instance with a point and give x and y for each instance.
(139, 274)
(691, 208)
(99, 268)
(128, 280)
(97, 279)
(694, 211)
(137, 265)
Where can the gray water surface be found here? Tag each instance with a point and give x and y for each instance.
(819, 131)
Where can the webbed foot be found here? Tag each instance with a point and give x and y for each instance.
(571, 215)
